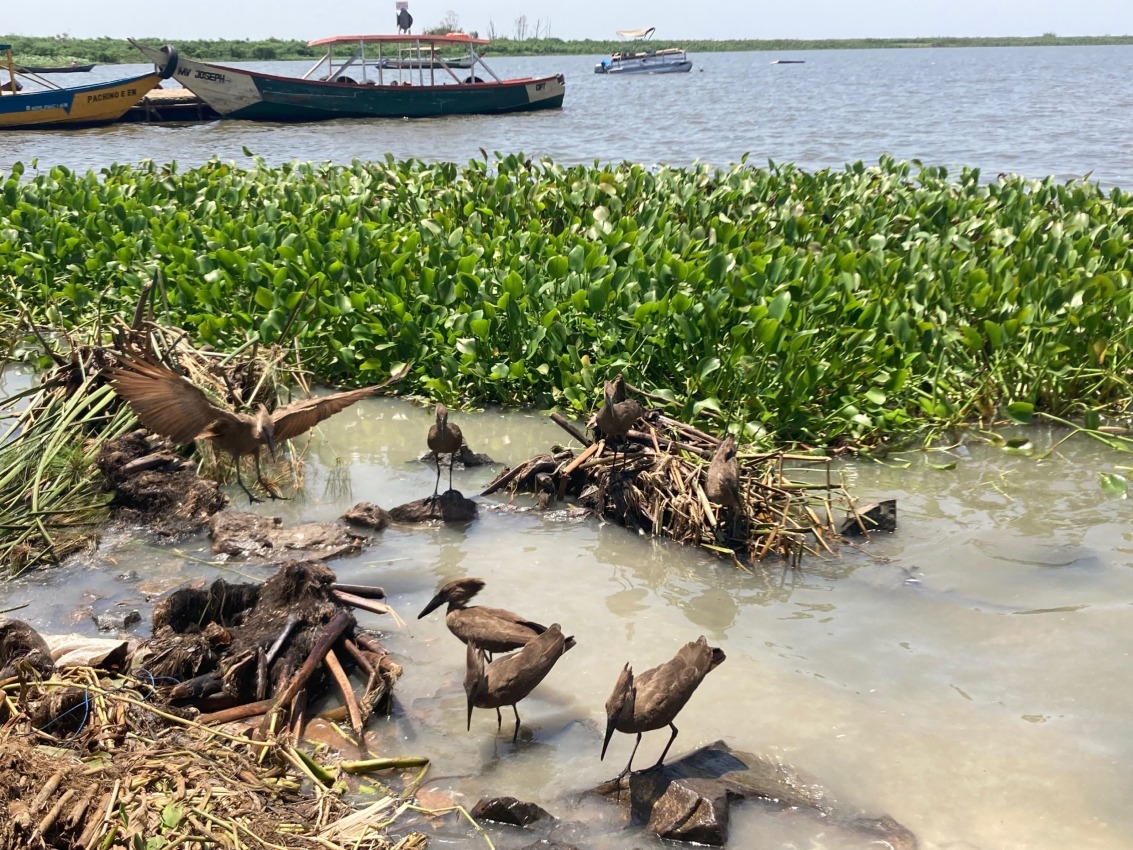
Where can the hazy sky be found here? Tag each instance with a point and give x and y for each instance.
(576, 18)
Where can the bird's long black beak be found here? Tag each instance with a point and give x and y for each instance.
(435, 603)
(271, 446)
(471, 700)
(609, 735)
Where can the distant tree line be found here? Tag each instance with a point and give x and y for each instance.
(526, 39)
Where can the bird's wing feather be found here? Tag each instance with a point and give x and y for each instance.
(293, 419)
(164, 402)
(475, 624)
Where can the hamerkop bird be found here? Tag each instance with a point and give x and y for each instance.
(169, 405)
(508, 679)
(617, 415)
(654, 698)
(492, 629)
(444, 438)
(722, 483)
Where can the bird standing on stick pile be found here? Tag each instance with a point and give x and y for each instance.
(722, 484)
(510, 678)
(444, 438)
(617, 415)
(492, 629)
(654, 698)
(170, 405)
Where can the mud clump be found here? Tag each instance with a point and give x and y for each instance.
(155, 487)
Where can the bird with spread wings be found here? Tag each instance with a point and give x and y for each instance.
(170, 405)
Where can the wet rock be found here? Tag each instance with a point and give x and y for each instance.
(116, 621)
(690, 799)
(155, 487)
(22, 645)
(451, 506)
(881, 516)
(687, 810)
(367, 515)
(510, 810)
(465, 457)
(250, 535)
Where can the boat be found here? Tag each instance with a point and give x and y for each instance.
(42, 104)
(789, 62)
(345, 83)
(408, 57)
(73, 68)
(671, 60)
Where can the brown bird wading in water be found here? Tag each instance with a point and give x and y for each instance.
(444, 438)
(722, 484)
(617, 415)
(654, 698)
(169, 405)
(508, 679)
(492, 629)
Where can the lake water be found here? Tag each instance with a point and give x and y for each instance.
(1063, 111)
(968, 675)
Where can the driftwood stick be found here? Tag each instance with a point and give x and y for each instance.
(358, 602)
(569, 427)
(669, 444)
(343, 682)
(596, 448)
(237, 712)
(363, 590)
(331, 633)
(359, 656)
(288, 627)
(261, 673)
(298, 714)
(48, 819)
(370, 644)
(688, 429)
(542, 463)
(504, 478)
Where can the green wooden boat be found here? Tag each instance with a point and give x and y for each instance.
(349, 81)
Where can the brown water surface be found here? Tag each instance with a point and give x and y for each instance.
(968, 676)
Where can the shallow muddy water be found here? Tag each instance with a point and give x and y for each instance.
(968, 676)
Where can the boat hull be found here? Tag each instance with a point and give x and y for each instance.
(256, 96)
(644, 68)
(79, 106)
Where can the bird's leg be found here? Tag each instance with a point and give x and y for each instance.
(260, 477)
(629, 764)
(437, 486)
(515, 737)
(451, 461)
(665, 751)
(499, 720)
(251, 498)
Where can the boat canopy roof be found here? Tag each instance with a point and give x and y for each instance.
(449, 38)
(643, 33)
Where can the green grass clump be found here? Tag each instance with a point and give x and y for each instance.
(850, 306)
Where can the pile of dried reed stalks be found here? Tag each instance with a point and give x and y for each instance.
(655, 485)
(52, 497)
(89, 759)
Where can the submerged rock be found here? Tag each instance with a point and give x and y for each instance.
(690, 799)
(367, 515)
(450, 506)
(510, 810)
(250, 535)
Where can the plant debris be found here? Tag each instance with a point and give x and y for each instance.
(656, 485)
